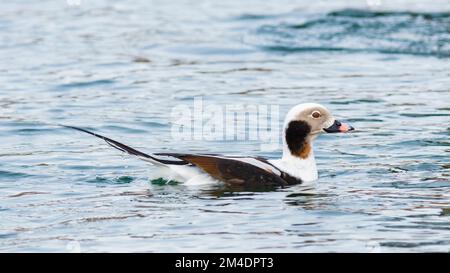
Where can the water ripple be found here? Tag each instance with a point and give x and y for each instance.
(351, 30)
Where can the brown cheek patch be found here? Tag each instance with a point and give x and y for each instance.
(296, 134)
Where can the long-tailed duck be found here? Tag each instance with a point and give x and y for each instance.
(302, 125)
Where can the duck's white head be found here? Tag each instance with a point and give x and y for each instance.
(303, 124)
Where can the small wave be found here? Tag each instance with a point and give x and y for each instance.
(421, 185)
(116, 180)
(356, 13)
(347, 102)
(33, 131)
(8, 174)
(161, 181)
(360, 31)
(249, 16)
(20, 194)
(84, 84)
(124, 129)
(7, 235)
(423, 115)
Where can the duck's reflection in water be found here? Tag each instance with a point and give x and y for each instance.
(293, 195)
(308, 197)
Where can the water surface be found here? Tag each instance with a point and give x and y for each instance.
(119, 67)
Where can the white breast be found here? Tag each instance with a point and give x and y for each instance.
(305, 169)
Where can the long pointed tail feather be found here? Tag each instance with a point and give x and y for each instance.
(127, 149)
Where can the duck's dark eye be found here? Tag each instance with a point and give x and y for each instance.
(316, 114)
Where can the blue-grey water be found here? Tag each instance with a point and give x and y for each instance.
(119, 67)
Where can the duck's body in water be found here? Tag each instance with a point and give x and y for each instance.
(302, 125)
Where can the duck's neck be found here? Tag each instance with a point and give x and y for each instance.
(303, 167)
(298, 155)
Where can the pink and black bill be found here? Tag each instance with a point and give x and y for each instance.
(339, 127)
